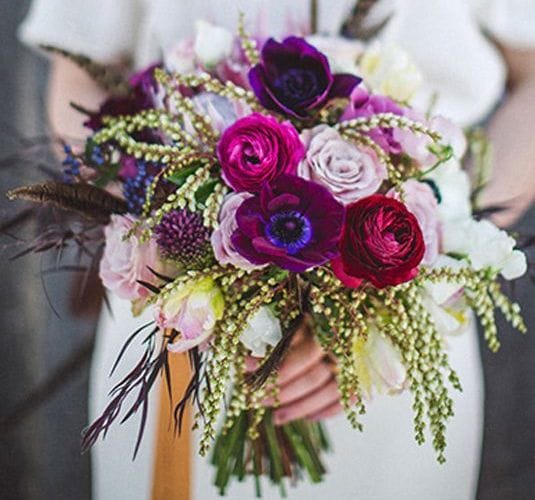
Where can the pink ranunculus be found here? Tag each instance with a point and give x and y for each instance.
(365, 104)
(348, 171)
(422, 203)
(224, 250)
(257, 149)
(126, 261)
(416, 145)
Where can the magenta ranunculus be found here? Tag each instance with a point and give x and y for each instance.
(422, 203)
(294, 78)
(293, 223)
(348, 171)
(126, 261)
(257, 149)
(381, 243)
(364, 104)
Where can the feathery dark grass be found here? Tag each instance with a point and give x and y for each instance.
(84, 199)
(192, 394)
(140, 380)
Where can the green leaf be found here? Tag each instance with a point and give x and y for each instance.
(180, 177)
(202, 194)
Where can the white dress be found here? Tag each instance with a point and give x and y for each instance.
(459, 64)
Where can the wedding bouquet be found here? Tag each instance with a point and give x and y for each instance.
(249, 191)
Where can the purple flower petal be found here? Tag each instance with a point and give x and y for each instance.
(343, 85)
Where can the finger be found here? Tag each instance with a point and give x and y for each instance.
(305, 384)
(251, 364)
(329, 411)
(314, 403)
(299, 360)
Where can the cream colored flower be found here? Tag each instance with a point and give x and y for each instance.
(379, 365)
(390, 71)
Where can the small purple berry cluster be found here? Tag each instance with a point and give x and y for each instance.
(182, 236)
(135, 188)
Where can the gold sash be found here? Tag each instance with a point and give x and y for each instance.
(172, 463)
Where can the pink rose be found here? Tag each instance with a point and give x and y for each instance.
(257, 149)
(417, 145)
(125, 261)
(347, 171)
(422, 203)
(224, 250)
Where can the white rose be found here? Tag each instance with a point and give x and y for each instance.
(262, 330)
(212, 43)
(485, 245)
(390, 71)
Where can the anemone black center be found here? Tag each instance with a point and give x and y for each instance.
(290, 230)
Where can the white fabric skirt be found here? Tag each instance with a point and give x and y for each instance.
(381, 463)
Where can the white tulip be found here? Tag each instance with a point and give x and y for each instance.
(379, 365)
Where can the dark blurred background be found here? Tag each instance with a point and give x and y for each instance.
(44, 354)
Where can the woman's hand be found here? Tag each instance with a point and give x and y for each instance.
(306, 381)
(512, 182)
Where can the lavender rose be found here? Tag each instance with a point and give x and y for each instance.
(347, 171)
(224, 250)
(293, 78)
(257, 149)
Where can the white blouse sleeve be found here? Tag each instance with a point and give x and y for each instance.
(510, 21)
(101, 29)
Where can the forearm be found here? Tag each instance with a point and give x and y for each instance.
(67, 84)
(512, 135)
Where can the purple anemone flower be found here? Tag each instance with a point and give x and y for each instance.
(293, 78)
(293, 223)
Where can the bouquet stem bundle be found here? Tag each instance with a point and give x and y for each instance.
(281, 452)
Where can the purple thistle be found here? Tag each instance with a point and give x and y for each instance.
(182, 236)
